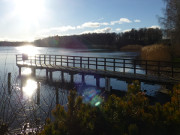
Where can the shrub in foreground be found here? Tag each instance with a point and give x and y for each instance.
(130, 115)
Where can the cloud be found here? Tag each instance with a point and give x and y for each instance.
(137, 21)
(57, 29)
(54, 31)
(63, 28)
(98, 24)
(121, 21)
(92, 25)
(155, 27)
(126, 30)
(118, 29)
(105, 23)
(104, 30)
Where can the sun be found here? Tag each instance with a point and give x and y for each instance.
(29, 10)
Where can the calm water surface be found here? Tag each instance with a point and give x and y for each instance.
(26, 88)
(8, 63)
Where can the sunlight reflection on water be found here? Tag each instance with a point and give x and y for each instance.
(30, 50)
(26, 71)
(30, 88)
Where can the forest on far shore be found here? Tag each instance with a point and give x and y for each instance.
(143, 36)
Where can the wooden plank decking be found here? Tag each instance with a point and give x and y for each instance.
(104, 67)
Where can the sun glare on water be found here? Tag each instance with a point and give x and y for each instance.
(28, 49)
(30, 88)
(27, 71)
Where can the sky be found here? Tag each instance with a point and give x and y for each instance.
(28, 20)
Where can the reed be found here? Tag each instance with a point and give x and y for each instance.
(157, 52)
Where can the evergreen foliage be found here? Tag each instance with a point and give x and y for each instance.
(130, 115)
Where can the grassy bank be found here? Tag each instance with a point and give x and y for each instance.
(156, 52)
(161, 52)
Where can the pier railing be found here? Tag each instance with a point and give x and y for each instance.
(146, 67)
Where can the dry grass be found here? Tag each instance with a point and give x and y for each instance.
(131, 48)
(156, 52)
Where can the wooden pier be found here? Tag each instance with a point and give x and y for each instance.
(155, 72)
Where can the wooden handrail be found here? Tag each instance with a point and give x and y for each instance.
(105, 63)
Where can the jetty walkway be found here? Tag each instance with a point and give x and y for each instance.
(155, 72)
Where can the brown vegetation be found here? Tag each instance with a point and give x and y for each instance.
(156, 52)
(132, 48)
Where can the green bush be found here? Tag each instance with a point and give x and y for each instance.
(130, 115)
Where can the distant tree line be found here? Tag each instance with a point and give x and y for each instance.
(143, 36)
(11, 43)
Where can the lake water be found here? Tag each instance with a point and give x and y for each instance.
(26, 89)
(8, 63)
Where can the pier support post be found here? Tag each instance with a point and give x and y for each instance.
(19, 71)
(38, 93)
(57, 96)
(51, 76)
(72, 78)
(97, 81)
(107, 84)
(47, 77)
(9, 83)
(62, 76)
(33, 72)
